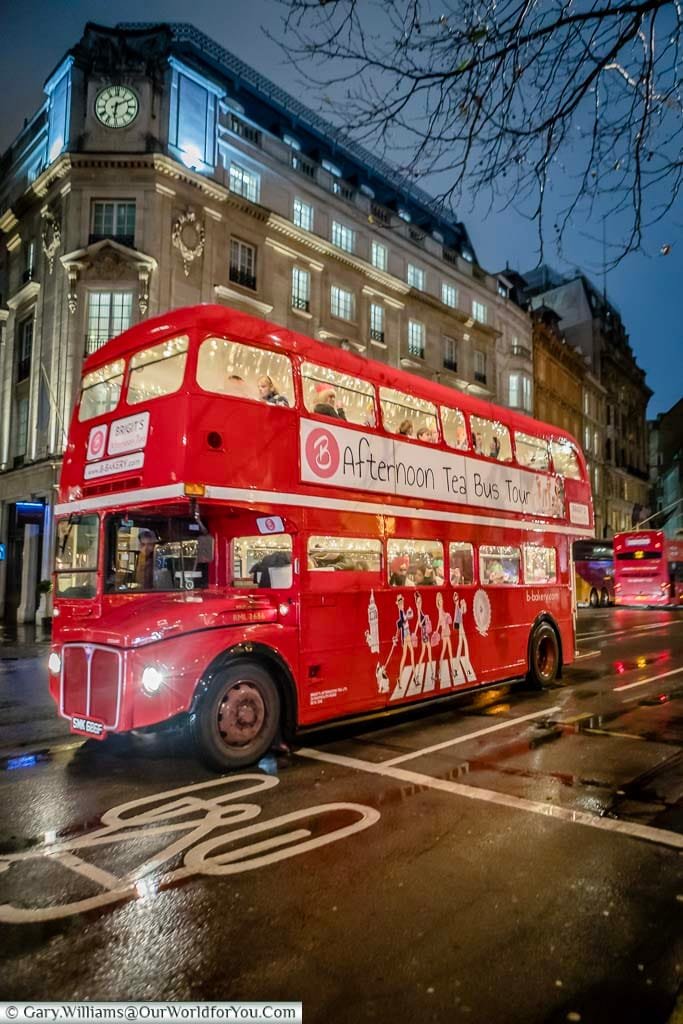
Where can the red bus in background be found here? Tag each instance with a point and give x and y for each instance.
(648, 569)
(257, 532)
(594, 572)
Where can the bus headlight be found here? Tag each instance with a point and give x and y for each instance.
(54, 664)
(152, 680)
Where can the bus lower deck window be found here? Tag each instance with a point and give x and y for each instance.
(262, 561)
(344, 554)
(461, 562)
(415, 563)
(540, 564)
(499, 565)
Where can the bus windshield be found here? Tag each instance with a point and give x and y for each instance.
(148, 552)
(76, 556)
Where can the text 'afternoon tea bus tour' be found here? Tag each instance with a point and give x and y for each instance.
(259, 532)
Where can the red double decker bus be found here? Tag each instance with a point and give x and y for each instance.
(258, 532)
(648, 569)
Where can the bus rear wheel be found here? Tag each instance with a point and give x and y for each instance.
(237, 718)
(544, 656)
(594, 600)
(604, 599)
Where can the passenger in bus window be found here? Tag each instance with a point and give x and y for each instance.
(369, 418)
(406, 428)
(327, 402)
(269, 393)
(237, 386)
(427, 434)
(144, 570)
(495, 448)
(476, 443)
(495, 572)
(398, 570)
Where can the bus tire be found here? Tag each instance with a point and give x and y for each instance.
(544, 656)
(604, 599)
(594, 600)
(237, 717)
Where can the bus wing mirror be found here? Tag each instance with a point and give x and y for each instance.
(205, 548)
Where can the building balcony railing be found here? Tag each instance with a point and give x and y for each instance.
(303, 165)
(343, 190)
(243, 278)
(300, 303)
(93, 342)
(416, 236)
(127, 240)
(450, 256)
(521, 350)
(479, 377)
(380, 214)
(376, 335)
(245, 131)
(450, 364)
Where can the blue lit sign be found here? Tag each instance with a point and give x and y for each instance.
(2, 552)
(30, 506)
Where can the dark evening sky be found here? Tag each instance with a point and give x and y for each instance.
(646, 288)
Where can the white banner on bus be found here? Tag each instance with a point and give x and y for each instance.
(109, 466)
(128, 434)
(347, 458)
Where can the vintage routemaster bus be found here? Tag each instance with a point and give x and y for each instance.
(594, 572)
(648, 569)
(258, 532)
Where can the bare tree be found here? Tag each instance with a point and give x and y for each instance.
(570, 109)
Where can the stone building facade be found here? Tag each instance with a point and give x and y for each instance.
(591, 323)
(161, 171)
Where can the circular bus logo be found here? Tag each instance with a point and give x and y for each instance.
(322, 452)
(96, 440)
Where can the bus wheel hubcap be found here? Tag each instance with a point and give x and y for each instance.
(241, 714)
(546, 656)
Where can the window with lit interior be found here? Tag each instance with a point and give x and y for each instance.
(415, 563)
(540, 564)
(160, 553)
(101, 390)
(565, 459)
(245, 371)
(157, 371)
(532, 451)
(339, 395)
(454, 429)
(262, 561)
(499, 565)
(461, 563)
(407, 415)
(344, 554)
(490, 438)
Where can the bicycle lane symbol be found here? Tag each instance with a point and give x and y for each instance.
(201, 841)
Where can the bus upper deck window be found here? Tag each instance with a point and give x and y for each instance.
(340, 395)
(245, 371)
(565, 459)
(157, 371)
(531, 451)
(408, 416)
(454, 429)
(101, 390)
(491, 438)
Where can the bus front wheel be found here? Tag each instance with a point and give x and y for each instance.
(237, 718)
(544, 656)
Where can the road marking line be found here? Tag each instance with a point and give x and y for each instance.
(587, 654)
(470, 736)
(636, 629)
(611, 732)
(651, 679)
(81, 867)
(517, 803)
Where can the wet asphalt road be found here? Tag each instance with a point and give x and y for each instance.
(511, 856)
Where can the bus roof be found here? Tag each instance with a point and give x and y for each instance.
(208, 318)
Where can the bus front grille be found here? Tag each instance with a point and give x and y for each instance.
(91, 684)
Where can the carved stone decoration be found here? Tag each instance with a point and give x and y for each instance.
(189, 238)
(51, 236)
(143, 294)
(72, 296)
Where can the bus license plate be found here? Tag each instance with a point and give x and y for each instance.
(90, 727)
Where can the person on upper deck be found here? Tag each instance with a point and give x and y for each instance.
(327, 402)
(269, 393)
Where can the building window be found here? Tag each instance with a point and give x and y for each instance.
(379, 256)
(519, 392)
(479, 311)
(450, 353)
(192, 121)
(24, 349)
(416, 277)
(449, 294)
(21, 428)
(245, 183)
(416, 338)
(301, 289)
(343, 237)
(502, 290)
(376, 323)
(290, 141)
(109, 313)
(303, 215)
(113, 219)
(331, 169)
(479, 366)
(58, 118)
(341, 303)
(404, 215)
(242, 263)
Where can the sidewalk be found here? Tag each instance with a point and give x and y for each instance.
(28, 716)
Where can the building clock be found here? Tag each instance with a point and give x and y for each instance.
(116, 106)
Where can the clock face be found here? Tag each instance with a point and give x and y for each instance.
(116, 106)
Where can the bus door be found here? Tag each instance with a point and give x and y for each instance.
(339, 625)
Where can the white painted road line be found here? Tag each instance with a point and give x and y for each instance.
(516, 803)
(587, 654)
(651, 679)
(471, 736)
(630, 632)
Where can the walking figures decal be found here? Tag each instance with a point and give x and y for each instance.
(426, 662)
